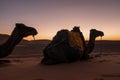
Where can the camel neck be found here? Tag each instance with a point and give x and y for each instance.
(91, 39)
(90, 45)
(12, 41)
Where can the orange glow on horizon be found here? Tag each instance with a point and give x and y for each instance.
(51, 37)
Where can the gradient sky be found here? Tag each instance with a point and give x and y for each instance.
(50, 16)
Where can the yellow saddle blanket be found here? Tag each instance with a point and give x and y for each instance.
(75, 39)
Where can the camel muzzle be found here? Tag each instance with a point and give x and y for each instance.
(102, 34)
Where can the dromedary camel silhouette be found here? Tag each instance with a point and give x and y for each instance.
(69, 46)
(17, 35)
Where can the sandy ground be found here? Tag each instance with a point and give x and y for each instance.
(104, 67)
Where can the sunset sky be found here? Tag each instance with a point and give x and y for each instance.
(50, 16)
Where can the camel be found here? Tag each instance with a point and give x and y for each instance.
(65, 48)
(17, 35)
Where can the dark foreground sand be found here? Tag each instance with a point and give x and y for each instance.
(104, 67)
(25, 64)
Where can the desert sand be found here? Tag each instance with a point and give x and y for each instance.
(26, 65)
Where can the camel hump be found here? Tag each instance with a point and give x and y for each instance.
(60, 37)
(73, 38)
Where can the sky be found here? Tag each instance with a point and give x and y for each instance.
(50, 16)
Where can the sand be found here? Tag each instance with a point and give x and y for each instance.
(104, 67)
(25, 64)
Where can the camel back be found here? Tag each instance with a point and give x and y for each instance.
(67, 37)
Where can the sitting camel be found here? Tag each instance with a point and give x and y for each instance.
(17, 35)
(69, 46)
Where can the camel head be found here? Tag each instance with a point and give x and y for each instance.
(24, 30)
(95, 33)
